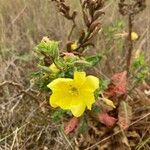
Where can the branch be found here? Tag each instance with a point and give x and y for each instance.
(21, 88)
(11, 83)
(130, 43)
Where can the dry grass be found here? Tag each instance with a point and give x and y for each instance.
(25, 121)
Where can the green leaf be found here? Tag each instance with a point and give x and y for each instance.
(139, 61)
(49, 48)
(82, 63)
(93, 60)
(35, 74)
(45, 69)
(140, 68)
(41, 80)
(58, 115)
(60, 62)
(104, 84)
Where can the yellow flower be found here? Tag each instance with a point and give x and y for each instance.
(74, 46)
(134, 36)
(74, 94)
(53, 68)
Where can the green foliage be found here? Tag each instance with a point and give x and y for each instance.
(93, 60)
(113, 37)
(45, 69)
(49, 48)
(70, 61)
(139, 61)
(96, 109)
(60, 66)
(67, 63)
(58, 115)
(41, 80)
(115, 27)
(140, 68)
(104, 84)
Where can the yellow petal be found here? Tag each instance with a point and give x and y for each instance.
(109, 102)
(60, 84)
(52, 101)
(60, 99)
(79, 78)
(78, 110)
(91, 83)
(76, 100)
(88, 99)
(74, 94)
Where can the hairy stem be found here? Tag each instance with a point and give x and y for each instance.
(130, 43)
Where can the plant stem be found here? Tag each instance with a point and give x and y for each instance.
(130, 43)
(71, 31)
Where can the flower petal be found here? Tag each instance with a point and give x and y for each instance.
(89, 99)
(61, 99)
(79, 78)
(52, 101)
(74, 94)
(91, 83)
(78, 110)
(60, 84)
(76, 100)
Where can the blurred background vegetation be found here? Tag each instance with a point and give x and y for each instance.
(23, 23)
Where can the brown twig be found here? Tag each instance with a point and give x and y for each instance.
(130, 43)
(64, 9)
(130, 9)
(71, 31)
(21, 88)
(92, 11)
(11, 83)
(19, 14)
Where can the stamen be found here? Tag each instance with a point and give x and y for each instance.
(73, 91)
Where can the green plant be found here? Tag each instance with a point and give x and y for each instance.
(64, 72)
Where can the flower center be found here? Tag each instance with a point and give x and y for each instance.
(73, 91)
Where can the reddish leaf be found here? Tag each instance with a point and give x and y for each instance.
(71, 125)
(118, 85)
(125, 114)
(106, 119)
